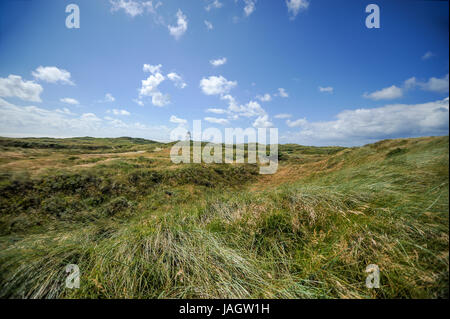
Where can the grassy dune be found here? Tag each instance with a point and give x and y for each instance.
(139, 226)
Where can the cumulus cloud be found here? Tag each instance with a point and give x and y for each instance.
(52, 74)
(216, 111)
(177, 120)
(69, 100)
(427, 55)
(410, 83)
(34, 121)
(108, 98)
(150, 86)
(361, 126)
(283, 116)
(116, 123)
(327, 89)
(218, 62)
(216, 4)
(216, 120)
(282, 93)
(160, 99)
(64, 110)
(14, 86)
(235, 110)
(296, 123)
(389, 93)
(118, 112)
(177, 80)
(209, 25)
(262, 121)
(433, 84)
(181, 27)
(134, 8)
(294, 7)
(439, 85)
(264, 98)
(215, 85)
(152, 68)
(250, 109)
(250, 7)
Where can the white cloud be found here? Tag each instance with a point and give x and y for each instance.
(250, 109)
(282, 116)
(262, 121)
(64, 110)
(138, 102)
(109, 98)
(439, 85)
(216, 111)
(232, 105)
(134, 8)
(264, 98)
(152, 68)
(181, 27)
(218, 62)
(282, 93)
(177, 120)
(250, 7)
(14, 86)
(21, 121)
(178, 81)
(214, 85)
(160, 99)
(216, 120)
(52, 74)
(130, 7)
(361, 126)
(433, 84)
(216, 4)
(427, 55)
(69, 100)
(150, 86)
(118, 112)
(116, 123)
(327, 89)
(296, 123)
(235, 111)
(294, 6)
(410, 83)
(389, 93)
(209, 25)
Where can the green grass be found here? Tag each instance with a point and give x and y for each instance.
(140, 228)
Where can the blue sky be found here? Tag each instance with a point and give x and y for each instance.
(311, 68)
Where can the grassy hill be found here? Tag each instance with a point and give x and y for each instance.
(140, 226)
